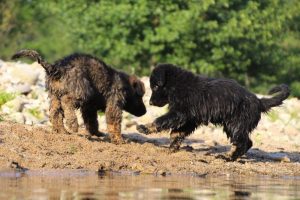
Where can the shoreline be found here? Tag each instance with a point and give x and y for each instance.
(34, 147)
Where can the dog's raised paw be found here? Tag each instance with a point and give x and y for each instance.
(142, 129)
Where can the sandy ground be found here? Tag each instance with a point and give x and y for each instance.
(35, 147)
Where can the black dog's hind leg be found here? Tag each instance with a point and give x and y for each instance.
(240, 147)
(239, 137)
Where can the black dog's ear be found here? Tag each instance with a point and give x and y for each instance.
(137, 85)
(160, 75)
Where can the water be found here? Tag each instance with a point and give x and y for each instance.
(80, 184)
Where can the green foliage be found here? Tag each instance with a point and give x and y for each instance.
(25, 24)
(255, 42)
(35, 112)
(5, 97)
(295, 88)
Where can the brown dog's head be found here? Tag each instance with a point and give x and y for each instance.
(134, 97)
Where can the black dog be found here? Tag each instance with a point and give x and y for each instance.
(85, 82)
(195, 100)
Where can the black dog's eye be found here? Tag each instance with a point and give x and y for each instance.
(155, 87)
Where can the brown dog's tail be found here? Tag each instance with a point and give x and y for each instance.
(33, 55)
(268, 103)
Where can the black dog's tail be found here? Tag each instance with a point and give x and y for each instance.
(33, 55)
(268, 103)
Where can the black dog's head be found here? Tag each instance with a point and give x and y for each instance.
(159, 79)
(134, 97)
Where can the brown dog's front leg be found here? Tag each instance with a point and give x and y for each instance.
(113, 116)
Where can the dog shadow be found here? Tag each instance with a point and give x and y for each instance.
(217, 150)
(253, 155)
(258, 155)
(160, 142)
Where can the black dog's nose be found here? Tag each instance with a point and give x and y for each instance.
(151, 103)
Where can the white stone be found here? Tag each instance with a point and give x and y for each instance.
(23, 73)
(15, 105)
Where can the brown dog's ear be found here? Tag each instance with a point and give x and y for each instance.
(137, 85)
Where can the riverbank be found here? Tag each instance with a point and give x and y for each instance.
(26, 140)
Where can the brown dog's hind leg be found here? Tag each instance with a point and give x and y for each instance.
(113, 116)
(69, 113)
(56, 116)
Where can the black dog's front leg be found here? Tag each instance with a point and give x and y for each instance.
(171, 120)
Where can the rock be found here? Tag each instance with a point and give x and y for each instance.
(15, 165)
(20, 89)
(17, 117)
(15, 105)
(24, 74)
(162, 173)
(137, 166)
(30, 119)
(1, 63)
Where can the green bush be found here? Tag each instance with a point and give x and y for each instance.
(255, 42)
(295, 88)
(35, 112)
(5, 97)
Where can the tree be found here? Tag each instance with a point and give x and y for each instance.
(255, 42)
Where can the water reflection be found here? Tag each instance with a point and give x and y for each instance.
(80, 184)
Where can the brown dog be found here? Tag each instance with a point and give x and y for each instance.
(85, 82)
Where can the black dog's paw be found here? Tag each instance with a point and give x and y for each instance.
(224, 157)
(142, 129)
(98, 134)
(172, 150)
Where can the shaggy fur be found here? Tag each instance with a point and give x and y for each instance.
(195, 100)
(85, 82)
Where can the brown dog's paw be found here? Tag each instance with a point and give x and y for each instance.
(73, 128)
(142, 129)
(60, 131)
(117, 140)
